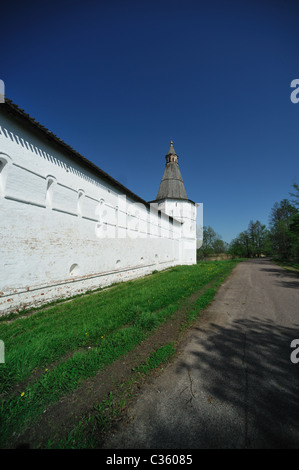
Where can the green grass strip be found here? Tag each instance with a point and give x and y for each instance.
(71, 341)
(45, 337)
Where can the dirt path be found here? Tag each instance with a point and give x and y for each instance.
(233, 385)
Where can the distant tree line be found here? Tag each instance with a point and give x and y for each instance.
(212, 244)
(279, 239)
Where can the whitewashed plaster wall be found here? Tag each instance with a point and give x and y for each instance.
(186, 213)
(65, 230)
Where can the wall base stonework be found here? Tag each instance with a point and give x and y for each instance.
(46, 294)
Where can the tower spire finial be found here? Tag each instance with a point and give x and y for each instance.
(171, 151)
(171, 156)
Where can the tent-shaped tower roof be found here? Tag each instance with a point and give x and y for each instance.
(172, 185)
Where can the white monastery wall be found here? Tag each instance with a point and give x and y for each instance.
(186, 213)
(65, 229)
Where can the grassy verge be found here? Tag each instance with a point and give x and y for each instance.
(49, 353)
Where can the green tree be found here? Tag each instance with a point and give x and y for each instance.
(258, 238)
(252, 242)
(211, 244)
(283, 229)
(219, 246)
(294, 225)
(240, 246)
(295, 195)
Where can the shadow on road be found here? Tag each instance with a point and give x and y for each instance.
(262, 385)
(234, 385)
(284, 277)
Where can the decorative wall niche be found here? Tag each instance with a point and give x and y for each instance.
(4, 165)
(81, 195)
(74, 270)
(51, 183)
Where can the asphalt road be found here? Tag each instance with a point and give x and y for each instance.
(233, 385)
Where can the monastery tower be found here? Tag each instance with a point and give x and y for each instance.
(172, 199)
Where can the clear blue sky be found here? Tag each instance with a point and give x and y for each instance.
(117, 80)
